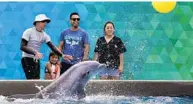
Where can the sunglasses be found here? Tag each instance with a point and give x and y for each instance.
(74, 19)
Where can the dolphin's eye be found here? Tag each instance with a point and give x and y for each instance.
(88, 72)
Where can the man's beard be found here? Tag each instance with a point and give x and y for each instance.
(75, 27)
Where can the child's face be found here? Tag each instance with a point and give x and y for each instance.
(54, 59)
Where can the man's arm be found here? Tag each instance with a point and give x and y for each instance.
(86, 46)
(86, 51)
(29, 50)
(24, 41)
(58, 52)
(26, 49)
(54, 48)
(61, 45)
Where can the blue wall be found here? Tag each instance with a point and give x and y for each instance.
(159, 46)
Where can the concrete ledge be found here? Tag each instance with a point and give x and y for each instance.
(117, 87)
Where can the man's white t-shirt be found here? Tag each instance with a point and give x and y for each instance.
(35, 40)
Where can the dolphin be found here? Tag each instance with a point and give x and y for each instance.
(72, 83)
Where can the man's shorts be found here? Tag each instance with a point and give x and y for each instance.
(109, 72)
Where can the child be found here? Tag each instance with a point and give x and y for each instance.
(52, 68)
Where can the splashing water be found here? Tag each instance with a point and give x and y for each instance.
(104, 99)
(40, 88)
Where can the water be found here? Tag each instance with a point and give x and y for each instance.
(104, 99)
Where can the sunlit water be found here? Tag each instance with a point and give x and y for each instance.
(102, 99)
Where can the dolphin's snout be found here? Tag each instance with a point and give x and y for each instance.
(101, 66)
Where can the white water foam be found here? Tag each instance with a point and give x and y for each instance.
(101, 99)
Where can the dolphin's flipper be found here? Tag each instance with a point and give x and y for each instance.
(79, 91)
(81, 94)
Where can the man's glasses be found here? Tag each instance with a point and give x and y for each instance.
(74, 19)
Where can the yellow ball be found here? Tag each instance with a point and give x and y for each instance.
(164, 6)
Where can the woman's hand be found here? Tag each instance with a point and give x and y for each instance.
(120, 69)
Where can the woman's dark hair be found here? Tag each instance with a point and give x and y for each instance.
(53, 54)
(109, 22)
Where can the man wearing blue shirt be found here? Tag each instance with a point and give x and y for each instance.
(74, 42)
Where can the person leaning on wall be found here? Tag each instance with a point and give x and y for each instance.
(31, 41)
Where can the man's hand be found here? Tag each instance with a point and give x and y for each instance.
(85, 59)
(38, 55)
(67, 57)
